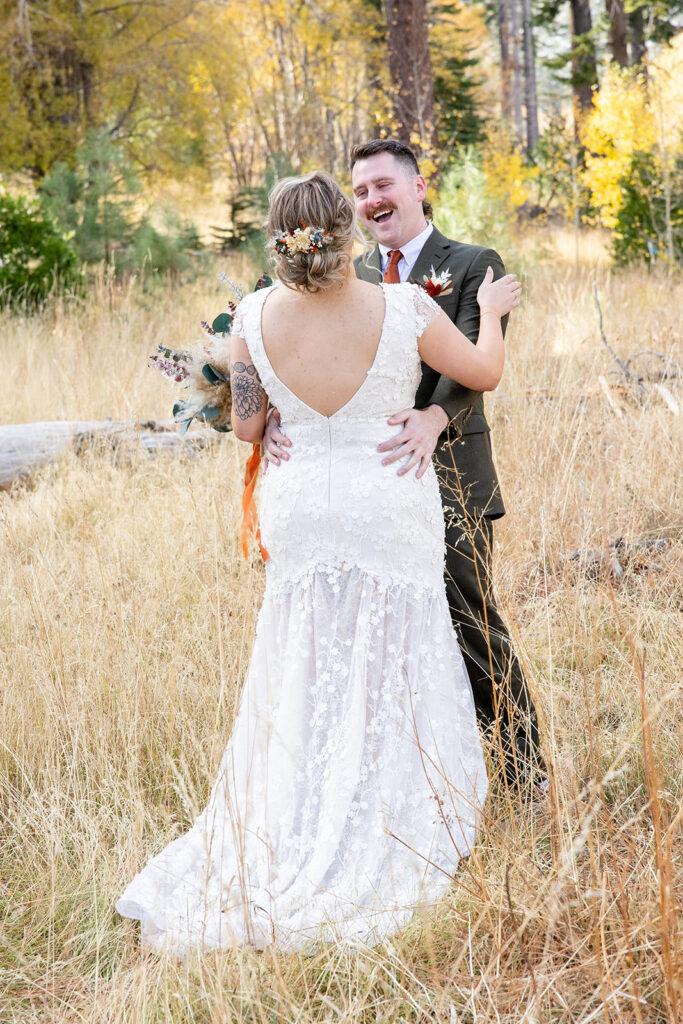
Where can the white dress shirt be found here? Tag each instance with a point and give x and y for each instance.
(411, 250)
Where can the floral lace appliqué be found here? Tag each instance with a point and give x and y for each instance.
(351, 784)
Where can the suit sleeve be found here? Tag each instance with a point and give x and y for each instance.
(447, 393)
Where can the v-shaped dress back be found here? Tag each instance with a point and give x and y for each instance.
(334, 503)
(353, 779)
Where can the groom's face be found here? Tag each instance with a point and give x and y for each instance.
(388, 199)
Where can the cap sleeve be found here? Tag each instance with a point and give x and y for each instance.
(238, 326)
(426, 309)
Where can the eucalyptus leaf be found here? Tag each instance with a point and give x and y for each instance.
(213, 375)
(222, 324)
(208, 412)
(184, 426)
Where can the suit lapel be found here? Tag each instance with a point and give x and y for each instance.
(371, 270)
(434, 253)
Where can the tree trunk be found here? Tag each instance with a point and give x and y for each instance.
(617, 31)
(516, 40)
(27, 447)
(505, 62)
(530, 95)
(638, 44)
(584, 70)
(411, 74)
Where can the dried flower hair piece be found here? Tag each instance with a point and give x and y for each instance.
(302, 239)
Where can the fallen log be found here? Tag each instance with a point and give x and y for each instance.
(25, 447)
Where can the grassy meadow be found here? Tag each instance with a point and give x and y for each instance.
(126, 620)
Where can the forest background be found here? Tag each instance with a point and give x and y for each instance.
(552, 109)
(138, 141)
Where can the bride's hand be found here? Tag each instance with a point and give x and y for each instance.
(499, 296)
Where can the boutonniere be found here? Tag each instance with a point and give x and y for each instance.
(437, 284)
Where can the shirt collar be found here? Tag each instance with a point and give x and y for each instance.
(412, 249)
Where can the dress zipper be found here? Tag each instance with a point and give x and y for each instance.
(329, 465)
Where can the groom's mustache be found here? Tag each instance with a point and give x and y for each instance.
(381, 210)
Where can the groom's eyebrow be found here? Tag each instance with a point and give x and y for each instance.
(375, 181)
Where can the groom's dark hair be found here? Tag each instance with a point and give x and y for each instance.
(400, 152)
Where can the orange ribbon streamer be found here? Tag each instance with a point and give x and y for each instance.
(250, 523)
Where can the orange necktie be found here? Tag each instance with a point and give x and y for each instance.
(391, 274)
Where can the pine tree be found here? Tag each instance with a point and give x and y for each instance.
(455, 35)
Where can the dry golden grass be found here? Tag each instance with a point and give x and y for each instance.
(126, 622)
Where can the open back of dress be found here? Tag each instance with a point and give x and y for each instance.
(352, 782)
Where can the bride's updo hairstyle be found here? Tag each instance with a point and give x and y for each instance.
(315, 202)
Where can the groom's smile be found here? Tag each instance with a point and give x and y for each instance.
(388, 199)
(382, 216)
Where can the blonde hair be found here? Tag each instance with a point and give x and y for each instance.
(316, 201)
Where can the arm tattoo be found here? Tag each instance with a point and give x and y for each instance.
(247, 393)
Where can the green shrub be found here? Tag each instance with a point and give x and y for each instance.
(466, 210)
(247, 211)
(559, 183)
(647, 221)
(34, 257)
(96, 202)
(164, 251)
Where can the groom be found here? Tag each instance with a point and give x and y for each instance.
(390, 202)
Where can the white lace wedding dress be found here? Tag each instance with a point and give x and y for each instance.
(352, 782)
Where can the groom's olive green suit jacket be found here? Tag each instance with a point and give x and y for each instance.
(463, 455)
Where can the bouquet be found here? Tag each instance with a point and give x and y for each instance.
(205, 375)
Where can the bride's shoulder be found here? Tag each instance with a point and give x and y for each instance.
(247, 312)
(419, 294)
(360, 289)
(404, 288)
(425, 309)
(255, 298)
(408, 293)
(251, 302)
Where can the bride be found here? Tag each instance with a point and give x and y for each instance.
(354, 777)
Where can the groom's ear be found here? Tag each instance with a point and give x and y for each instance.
(421, 185)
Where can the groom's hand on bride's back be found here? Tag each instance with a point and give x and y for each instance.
(275, 443)
(413, 445)
(417, 439)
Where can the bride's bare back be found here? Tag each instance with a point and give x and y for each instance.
(321, 345)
